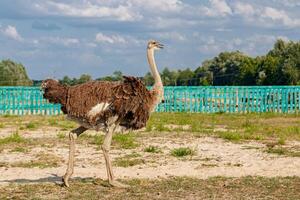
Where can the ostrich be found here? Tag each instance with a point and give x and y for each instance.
(105, 106)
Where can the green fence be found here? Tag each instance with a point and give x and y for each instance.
(25, 100)
(233, 99)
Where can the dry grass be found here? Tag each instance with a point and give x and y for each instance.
(173, 188)
(42, 160)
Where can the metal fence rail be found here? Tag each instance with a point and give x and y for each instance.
(212, 99)
(231, 99)
(25, 100)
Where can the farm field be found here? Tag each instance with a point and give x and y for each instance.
(177, 156)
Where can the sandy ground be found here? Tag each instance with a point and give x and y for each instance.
(214, 157)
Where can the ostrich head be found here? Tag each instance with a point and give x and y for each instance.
(152, 44)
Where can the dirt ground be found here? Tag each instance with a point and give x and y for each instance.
(212, 157)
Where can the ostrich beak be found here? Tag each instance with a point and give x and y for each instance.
(159, 45)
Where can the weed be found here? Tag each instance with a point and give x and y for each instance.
(232, 136)
(61, 135)
(183, 151)
(281, 141)
(31, 125)
(152, 149)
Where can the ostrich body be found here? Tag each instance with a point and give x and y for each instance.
(105, 106)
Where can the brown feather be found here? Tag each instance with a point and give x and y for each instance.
(129, 100)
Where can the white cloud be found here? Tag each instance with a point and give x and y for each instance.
(112, 39)
(218, 8)
(65, 41)
(256, 44)
(244, 9)
(11, 32)
(89, 9)
(158, 5)
(281, 16)
(289, 3)
(171, 35)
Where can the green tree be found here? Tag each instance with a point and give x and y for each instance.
(66, 81)
(13, 74)
(185, 77)
(117, 76)
(84, 78)
(169, 77)
(148, 79)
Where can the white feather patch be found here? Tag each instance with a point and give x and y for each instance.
(100, 107)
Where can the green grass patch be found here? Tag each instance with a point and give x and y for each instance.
(20, 150)
(152, 149)
(92, 139)
(13, 138)
(61, 122)
(230, 136)
(31, 125)
(281, 141)
(129, 160)
(250, 126)
(183, 151)
(61, 135)
(125, 141)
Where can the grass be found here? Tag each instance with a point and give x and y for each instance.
(13, 138)
(129, 160)
(251, 126)
(173, 188)
(236, 127)
(31, 125)
(61, 135)
(283, 151)
(92, 139)
(125, 141)
(43, 160)
(182, 151)
(19, 149)
(152, 149)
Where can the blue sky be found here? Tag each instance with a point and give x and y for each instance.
(55, 38)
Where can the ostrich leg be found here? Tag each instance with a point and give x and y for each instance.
(72, 136)
(106, 148)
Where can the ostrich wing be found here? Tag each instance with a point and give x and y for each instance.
(131, 102)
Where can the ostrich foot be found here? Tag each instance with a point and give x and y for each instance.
(65, 181)
(117, 184)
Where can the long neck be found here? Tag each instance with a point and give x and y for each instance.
(158, 86)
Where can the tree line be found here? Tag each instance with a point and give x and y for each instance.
(280, 66)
